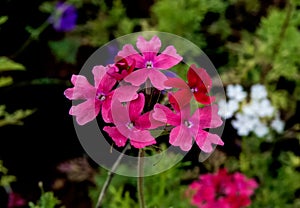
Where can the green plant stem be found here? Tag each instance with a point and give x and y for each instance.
(140, 180)
(34, 35)
(110, 175)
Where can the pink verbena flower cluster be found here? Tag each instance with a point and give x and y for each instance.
(222, 190)
(121, 95)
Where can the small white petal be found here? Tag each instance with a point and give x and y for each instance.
(261, 130)
(236, 92)
(277, 125)
(258, 92)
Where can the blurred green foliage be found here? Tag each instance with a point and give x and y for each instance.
(110, 22)
(46, 200)
(184, 18)
(277, 187)
(16, 117)
(160, 190)
(5, 178)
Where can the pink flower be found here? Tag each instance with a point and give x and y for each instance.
(15, 200)
(199, 85)
(222, 190)
(149, 62)
(189, 127)
(96, 97)
(120, 69)
(131, 124)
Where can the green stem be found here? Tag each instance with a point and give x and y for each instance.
(140, 181)
(110, 175)
(34, 35)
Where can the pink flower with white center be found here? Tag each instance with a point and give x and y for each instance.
(131, 124)
(189, 127)
(95, 97)
(149, 62)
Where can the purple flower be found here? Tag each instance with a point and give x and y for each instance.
(64, 17)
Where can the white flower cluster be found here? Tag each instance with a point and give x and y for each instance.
(254, 115)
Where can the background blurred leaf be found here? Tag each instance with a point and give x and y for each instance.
(7, 64)
(3, 19)
(5, 81)
(65, 50)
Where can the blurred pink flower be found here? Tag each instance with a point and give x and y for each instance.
(189, 127)
(222, 190)
(149, 62)
(15, 200)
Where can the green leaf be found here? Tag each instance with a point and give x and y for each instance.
(65, 50)
(3, 19)
(7, 64)
(5, 81)
(46, 7)
(14, 118)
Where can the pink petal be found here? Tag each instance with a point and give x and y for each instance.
(207, 117)
(106, 84)
(165, 115)
(143, 122)
(205, 140)
(82, 89)
(180, 98)
(120, 114)
(143, 137)
(86, 111)
(115, 135)
(125, 93)
(176, 83)
(139, 145)
(138, 77)
(136, 107)
(181, 137)
(167, 59)
(99, 72)
(157, 78)
(146, 121)
(131, 55)
(148, 46)
(106, 110)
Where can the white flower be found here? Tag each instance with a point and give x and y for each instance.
(265, 108)
(236, 92)
(277, 125)
(261, 129)
(251, 108)
(227, 109)
(258, 92)
(260, 108)
(244, 123)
